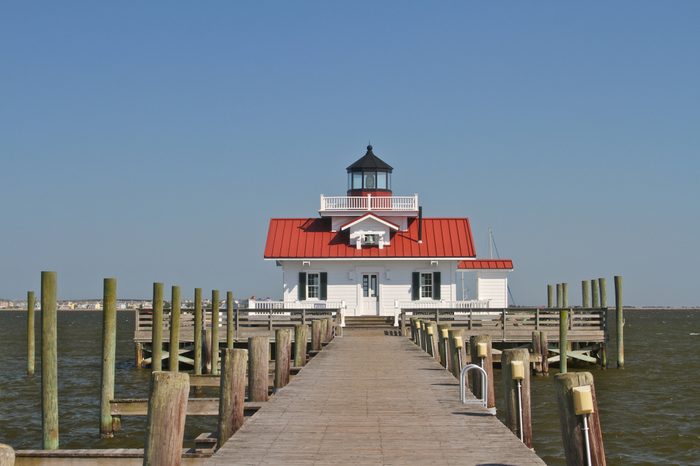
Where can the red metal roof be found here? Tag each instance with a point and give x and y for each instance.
(502, 264)
(309, 238)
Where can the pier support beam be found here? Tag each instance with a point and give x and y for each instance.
(232, 393)
(550, 296)
(174, 356)
(215, 332)
(301, 332)
(443, 344)
(518, 414)
(165, 427)
(230, 328)
(563, 339)
(283, 348)
(540, 348)
(595, 301)
(316, 335)
(109, 349)
(198, 330)
(258, 367)
(572, 424)
(585, 301)
(31, 349)
(157, 328)
(49, 361)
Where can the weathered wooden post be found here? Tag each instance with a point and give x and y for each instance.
(585, 302)
(329, 329)
(109, 349)
(433, 337)
(577, 402)
(316, 335)
(414, 330)
(564, 295)
(215, 332)
(49, 361)
(300, 337)
(324, 331)
(7, 455)
(481, 354)
(603, 293)
(595, 302)
(258, 367)
(515, 364)
(165, 427)
(443, 345)
(540, 351)
(620, 323)
(231, 393)
(174, 357)
(283, 348)
(157, 328)
(229, 320)
(563, 338)
(198, 329)
(550, 296)
(31, 348)
(559, 296)
(455, 343)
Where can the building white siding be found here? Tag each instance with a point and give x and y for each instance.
(394, 280)
(493, 285)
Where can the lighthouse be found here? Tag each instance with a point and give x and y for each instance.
(371, 253)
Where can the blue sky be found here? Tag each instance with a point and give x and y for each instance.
(152, 142)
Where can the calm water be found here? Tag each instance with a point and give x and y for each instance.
(649, 411)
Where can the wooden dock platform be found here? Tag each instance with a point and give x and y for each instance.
(373, 399)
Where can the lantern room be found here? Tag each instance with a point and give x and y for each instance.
(369, 175)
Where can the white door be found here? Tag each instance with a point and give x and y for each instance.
(370, 294)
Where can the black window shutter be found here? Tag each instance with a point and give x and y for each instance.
(415, 289)
(301, 291)
(324, 286)
(436, 285)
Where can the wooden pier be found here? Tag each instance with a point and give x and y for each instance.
(372, 399)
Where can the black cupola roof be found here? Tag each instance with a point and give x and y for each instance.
(369, 161)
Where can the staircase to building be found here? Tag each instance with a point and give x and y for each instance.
(383, 323)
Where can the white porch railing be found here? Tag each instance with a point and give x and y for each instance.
(269, 304)
(469, 304)
(369, 203)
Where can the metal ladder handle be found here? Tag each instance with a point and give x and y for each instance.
(484, 384)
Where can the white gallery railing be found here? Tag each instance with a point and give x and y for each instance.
(469, 304)
(269, 304)
(369, 203)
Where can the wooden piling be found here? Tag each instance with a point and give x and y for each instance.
(564, 295)
(559, 296)
(486, 363)
(585, 301)
(443, 345)
(316, 335)
(563, 339)
(165, 427)
(283, 348)
(324, 330)
(109, 349)
(49, 361)
(7, 455)
(510, 391)
(174, 357)
(215, 332)
(595, 301)
(300, 338)
(602, 284)
(455, 339)
(31, 348)
(229, 320)
(540, 349)
(572, 425)
(198, 330)
(232, 393)
(258, 367)
(157, 328)
(550, 296)
(620, 323)
(329, 329)
(433, 337)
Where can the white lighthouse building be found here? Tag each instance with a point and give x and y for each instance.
(372, 253)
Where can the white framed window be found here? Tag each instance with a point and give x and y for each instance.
(313, 285)
(426, 285)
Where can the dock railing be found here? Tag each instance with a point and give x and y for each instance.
(515, 324)
(244, 319)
